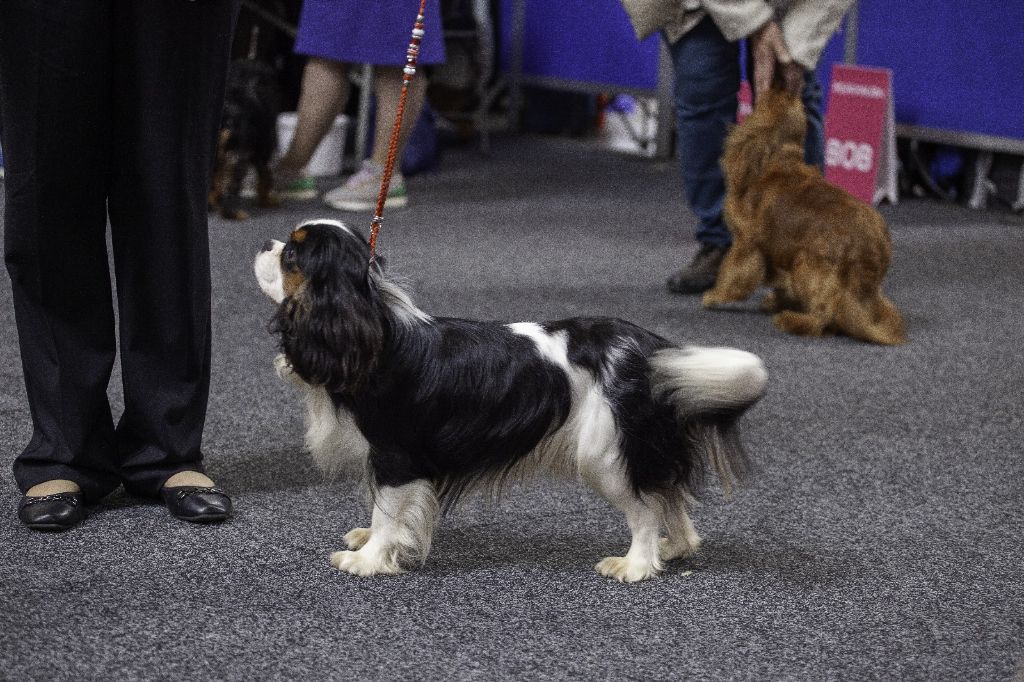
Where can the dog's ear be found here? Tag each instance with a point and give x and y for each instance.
(793, 126)
(331, 328)
(741, 157)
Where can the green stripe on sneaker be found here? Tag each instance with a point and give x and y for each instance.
(303, 187)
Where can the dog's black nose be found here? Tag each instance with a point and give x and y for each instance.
(268, 245)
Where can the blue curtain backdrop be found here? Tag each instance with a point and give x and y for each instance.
(956, 65)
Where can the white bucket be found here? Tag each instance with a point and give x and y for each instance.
(328, 156)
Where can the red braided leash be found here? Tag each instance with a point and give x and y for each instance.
(412, 54)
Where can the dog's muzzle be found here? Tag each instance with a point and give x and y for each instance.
(267, 267)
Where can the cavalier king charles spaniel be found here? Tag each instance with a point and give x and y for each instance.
(430, 407)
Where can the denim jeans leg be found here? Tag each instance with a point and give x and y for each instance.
(814, 143)
(707, 77)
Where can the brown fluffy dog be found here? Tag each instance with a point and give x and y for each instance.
(823, 252)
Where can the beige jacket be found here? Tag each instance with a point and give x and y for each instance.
(806, 24)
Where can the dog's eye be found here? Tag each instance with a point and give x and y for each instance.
(288, 258)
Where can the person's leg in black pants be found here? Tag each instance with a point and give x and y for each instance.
(170, 62)
(55, 91)
(111, 104)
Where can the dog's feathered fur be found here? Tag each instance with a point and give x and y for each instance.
(432, 406)
(824, 252)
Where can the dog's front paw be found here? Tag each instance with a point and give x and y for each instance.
(284, 370)
(625, 570)
(801, 324)
(283, 367)
(713, 298)
(364, 563)
(269, 200)
(357, 537)
(233, 214)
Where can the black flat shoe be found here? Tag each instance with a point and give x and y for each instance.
(198, 504)
(52, 512)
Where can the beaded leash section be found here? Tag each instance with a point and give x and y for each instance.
(411, 56)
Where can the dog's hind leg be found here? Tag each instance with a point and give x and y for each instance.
(644, 516)
(265, 195)
(741, 272)
(777, 300)
(801, 324)
(231, 199)
(682, 540)
(357, 537)
(216, 193)
(817, 288)
(401, 531)
(219, 178)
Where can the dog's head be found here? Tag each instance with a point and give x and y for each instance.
(251, 104)
(776, 125)
(329, 313)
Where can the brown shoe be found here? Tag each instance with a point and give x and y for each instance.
(700, 274)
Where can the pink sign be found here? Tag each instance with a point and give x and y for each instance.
(858, 107)
(745, 98)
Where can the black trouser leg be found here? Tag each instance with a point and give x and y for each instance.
(54, 102)
(118, 100)
(170, 63)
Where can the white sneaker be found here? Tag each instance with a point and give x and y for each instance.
(359, 193)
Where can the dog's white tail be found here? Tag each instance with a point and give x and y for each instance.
(701, 380)
(709, 389)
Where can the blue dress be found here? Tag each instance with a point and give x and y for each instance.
(368, 31)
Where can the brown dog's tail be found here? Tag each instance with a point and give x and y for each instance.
(887, 325)
(876, 320)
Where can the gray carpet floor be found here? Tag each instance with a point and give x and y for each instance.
(881, 536)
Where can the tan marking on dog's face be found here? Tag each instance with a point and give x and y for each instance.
(293, 282)
(292, 278)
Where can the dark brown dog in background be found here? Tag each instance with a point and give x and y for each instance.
(822, 251)
(247, 138)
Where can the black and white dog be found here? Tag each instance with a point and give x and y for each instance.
(429, 407)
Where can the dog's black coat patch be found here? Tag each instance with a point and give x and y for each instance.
(250, 110)
(657, 454)
(455, 400)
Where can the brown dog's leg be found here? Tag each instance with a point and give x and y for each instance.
(235, 173)
(265, 195)
(801, 324)
(816, 287)
(742, 271)
(220, 173)
(777, 300)
(216, 194)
